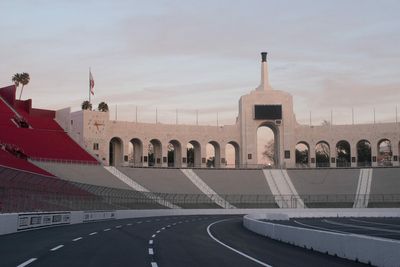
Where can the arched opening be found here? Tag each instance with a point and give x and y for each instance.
(232, 155)
(174, 154)
(384, 153)
(363, 153)
(343, 154)
(135, 152)
(268, 145)
(155, 153)
(213, 155)
(302, 154)
(115, 151)
(322, 154)
(193, 154)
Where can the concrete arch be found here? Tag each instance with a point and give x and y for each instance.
(116, 151)
(322, 154)
(236, 149)
(174, 156)
(136, 155)
(155, 153)
(343, 154)
(385, 152)
(217, 154)
(277, 146)
(364, 153)
(193, 154)
(302, 154)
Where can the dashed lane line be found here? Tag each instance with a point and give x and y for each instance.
(151, 251)
(153, 236)
(94, 233)
(28, 262)
(231, 248)
(56, 248)
(154, 264)
(118, 226)
(76, 239)
(107, 229)
(151, 242)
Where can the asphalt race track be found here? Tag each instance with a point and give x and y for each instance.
(376, 227)
(157, 241)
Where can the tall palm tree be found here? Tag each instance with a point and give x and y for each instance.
(24, 80)
(103, 107)
(86, 105)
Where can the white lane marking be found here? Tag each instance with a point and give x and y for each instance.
(386, 224)
(163, 228)
(27, 262)
(154, 264)
(180, 222)
(231, 248)
(128, 224)
(168, 226)
(148, 221)
(174, 224)
(362, 227)
(151, 242)
(321, 228)
(76, 239)
(94, 233)
(158, 231)
(151, 251)
(139, 222)
(107, 229)
(153, 236)
(56, 248)
(118, 226)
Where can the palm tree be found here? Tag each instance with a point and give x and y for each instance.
(86, 105)
(103, 107)
(21, 78)
(16, 78)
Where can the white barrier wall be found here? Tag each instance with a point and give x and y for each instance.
(370, 250)
(10, 223)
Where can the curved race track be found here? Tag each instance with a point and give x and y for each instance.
(172, 241)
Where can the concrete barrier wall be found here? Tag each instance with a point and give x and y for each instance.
(376, 251)
(9, 223)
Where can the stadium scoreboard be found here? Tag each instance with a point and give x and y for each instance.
(268, 112)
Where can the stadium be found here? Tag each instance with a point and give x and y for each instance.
(80, 189)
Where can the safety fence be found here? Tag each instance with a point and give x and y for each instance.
(90, 197)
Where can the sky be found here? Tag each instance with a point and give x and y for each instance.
(201, 56)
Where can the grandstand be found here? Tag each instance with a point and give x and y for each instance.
(34, 145)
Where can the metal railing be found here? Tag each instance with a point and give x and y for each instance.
(22, 199)
(64, 161)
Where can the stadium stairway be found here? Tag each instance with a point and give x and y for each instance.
(363, 189)
(203, 187)
(135, 186)
(282, 188)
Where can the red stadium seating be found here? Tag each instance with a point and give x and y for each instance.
(43, 138)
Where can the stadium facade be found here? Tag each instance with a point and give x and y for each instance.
(342, 145)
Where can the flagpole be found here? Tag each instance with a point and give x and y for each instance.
(89, 86)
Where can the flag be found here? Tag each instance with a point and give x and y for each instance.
(91, 83)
